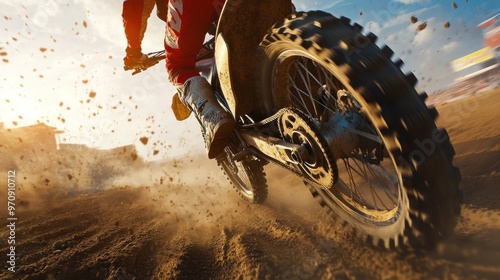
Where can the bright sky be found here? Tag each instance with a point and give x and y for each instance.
(61, 64)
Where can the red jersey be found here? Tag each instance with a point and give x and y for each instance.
(187, 24)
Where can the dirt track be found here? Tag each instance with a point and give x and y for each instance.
(181, 220)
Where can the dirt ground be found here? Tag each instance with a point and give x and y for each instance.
(182, 220)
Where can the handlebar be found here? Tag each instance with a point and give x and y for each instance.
(153, 59)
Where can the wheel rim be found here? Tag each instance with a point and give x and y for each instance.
(369, 190)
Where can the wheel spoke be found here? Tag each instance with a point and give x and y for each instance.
(378, 178)
(304, 105)
(307, 83)
(309, 74)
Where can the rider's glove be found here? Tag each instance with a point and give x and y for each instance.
(135, 59)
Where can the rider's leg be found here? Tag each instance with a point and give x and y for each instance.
(187, 24)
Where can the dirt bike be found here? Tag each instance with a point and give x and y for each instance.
(311, 93)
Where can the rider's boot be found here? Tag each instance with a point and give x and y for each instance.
(217, 124)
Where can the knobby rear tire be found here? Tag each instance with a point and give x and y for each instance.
(422, 153)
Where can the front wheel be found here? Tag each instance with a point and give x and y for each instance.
(246, 174)
(396, 184)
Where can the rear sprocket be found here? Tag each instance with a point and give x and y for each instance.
(316, 162)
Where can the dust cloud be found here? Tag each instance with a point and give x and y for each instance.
(108, 214)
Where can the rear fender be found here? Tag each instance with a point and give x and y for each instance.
(241, 28)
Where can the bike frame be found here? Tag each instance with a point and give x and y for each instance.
(233, 74)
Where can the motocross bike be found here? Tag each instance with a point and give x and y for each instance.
(311, 93)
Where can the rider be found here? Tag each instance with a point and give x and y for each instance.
(188, 21)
